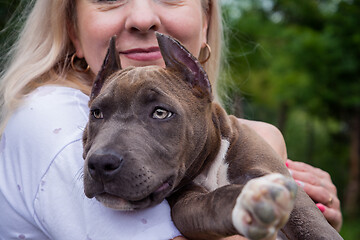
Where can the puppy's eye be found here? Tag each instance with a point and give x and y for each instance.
(96, 113)
(160, 113)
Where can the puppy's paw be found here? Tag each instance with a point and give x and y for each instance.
(264, 206)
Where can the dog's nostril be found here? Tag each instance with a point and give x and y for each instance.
(111, 166)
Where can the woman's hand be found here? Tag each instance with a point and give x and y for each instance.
(318, 185)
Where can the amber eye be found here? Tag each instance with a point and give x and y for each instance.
(160, 113)
(96, 113)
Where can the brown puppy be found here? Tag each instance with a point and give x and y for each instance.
(155, 133)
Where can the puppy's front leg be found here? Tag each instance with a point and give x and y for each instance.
(257, 210)
(199, 214)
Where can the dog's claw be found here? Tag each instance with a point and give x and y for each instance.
(264, 206)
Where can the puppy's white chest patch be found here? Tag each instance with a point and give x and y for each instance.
(216, 176)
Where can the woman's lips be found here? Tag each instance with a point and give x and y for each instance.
(142, 54)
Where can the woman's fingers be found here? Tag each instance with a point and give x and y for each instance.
(318, 189)
(319, 186)
(320, 195)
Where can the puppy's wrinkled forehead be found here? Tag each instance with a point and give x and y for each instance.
(138, 75)
(130, 83)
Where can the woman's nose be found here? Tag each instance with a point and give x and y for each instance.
(142, 17)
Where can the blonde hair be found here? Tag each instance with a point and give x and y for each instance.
(215, 41)
(40, 54)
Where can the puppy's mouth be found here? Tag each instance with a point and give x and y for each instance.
(116, 202)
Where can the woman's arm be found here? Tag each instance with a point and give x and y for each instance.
(270, 134)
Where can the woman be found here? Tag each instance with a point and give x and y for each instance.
(44, 94)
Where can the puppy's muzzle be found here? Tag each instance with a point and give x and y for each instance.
(104, 166)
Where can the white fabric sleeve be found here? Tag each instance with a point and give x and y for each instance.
(41, 186)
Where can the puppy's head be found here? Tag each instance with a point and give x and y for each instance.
(147, 128)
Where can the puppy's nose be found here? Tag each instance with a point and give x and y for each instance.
(104, 166)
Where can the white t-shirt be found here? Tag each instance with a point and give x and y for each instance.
(41, 185)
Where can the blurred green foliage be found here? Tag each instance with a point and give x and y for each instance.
(294, 64)
(10, 24)
(7, 8)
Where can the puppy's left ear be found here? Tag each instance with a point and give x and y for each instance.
(177, 57)
(110, 65)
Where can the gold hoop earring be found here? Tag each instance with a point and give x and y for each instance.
(207, 46)
(77, 68)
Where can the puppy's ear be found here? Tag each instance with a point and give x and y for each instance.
(110, 65)
(177, 57)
